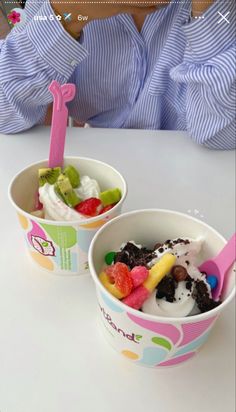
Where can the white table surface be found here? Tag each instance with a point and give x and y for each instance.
(53, 357)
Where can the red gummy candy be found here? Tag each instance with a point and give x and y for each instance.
(89, 207)
(120, 275)
(137, 298)
(139, 274)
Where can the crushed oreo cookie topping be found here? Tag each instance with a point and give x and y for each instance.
(166, 289)
(201, 295)
(133, 256)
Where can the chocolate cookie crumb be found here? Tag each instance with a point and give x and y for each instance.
(172, 243)
(133, 256)
(166, 289)
(157, 245)
(189, 284)
(201, 295)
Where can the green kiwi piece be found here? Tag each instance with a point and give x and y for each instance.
(110, 196)
(73, 175)
(47, 175)
(65, 190)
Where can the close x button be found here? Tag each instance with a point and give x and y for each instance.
(223, 18)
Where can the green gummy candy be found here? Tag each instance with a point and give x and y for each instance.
(109, 258)
(111, 196)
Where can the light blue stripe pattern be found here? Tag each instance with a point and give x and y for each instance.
(193, 345)
(178, 73)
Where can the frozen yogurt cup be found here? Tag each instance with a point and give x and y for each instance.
(146, 339)
(61, 247)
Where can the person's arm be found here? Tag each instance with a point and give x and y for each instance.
(42, 51)
(208, 73)
(30, 58)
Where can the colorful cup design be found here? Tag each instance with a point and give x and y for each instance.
(148, 340)
(62, 247)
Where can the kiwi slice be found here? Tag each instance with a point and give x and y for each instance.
(47, 175)
(64, 188)
(110, 196)
(73, 175)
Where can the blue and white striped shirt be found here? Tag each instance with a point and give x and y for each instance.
(178, 73)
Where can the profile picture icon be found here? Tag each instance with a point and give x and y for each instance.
(16, 17)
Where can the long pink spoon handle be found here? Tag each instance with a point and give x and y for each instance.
(61, 95)
(227, 256)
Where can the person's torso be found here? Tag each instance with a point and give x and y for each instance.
(125, 81)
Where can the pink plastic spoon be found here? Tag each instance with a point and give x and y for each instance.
(220, 265)
(61, 95)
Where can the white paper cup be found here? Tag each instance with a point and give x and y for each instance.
(62, 247)
(149, 340)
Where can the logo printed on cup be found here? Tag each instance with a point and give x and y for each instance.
(43, 246)
(133, 337)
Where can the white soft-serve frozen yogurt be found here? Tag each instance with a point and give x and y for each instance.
(184, 304)
(54, 207)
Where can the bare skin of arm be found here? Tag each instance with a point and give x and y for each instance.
(199, 7)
